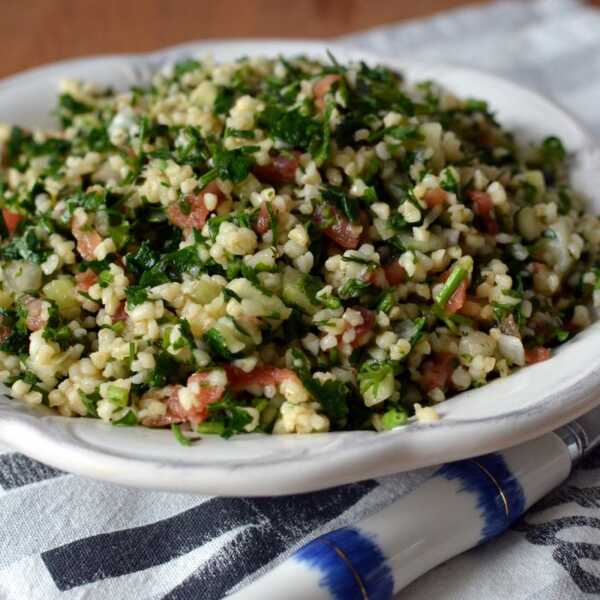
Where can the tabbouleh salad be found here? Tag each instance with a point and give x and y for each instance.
(281, 246)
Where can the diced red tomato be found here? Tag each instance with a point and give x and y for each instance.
(281, 169)
(207, 395)
(537, 354)
(364, 220)
(483, 206)
(491, 225)
(11, 220)
(87, 241)
(389, 275)
(458, 298)
(377, 278)
(437, 371)
(471, 308)
(85, 280)
(196, 216)
(120, 314)
(263, 221)
(174, 413)
(482, 202)
(34, 320)
(538, 267)
(395, 273)
(435, 197)
(261, 376)
(322, 87)
(342, 232)
(5, 331)
(365, 329)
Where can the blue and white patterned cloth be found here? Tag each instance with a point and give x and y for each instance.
(65, 537)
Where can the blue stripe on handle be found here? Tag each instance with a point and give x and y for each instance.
(500, 497)
(352, 565)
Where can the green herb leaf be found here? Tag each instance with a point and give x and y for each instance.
(217, 345)
(332, 395)
(185, 66)
(136, 294)
(128, 420)
(290, 126)
(352, 288)
(179, 436)
(90, 402)
(27, 247)
(376, 381)
(553, 150)
(346, 203)
(224, 100)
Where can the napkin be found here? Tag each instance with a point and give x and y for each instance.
(65, 537)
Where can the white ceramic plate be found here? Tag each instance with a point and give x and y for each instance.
(505, 412)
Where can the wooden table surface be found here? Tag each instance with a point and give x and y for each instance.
(34, 32)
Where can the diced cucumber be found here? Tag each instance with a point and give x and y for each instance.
(258, 302)
(62, 291)
(432, 243)
(299, 290)
(204, 290)
(22, 276)
(394, 418)
(5, 299)
(117, 395)
(268, 415)
(554, 249)
(528, 224)
(225, 340)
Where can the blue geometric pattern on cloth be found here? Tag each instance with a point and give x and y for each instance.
(267, 526)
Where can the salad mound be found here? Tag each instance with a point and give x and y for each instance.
(281, 245)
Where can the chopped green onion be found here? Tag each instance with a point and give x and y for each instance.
(207, 178)
(452, 321)
(118, 327)
(211, 427)
(456, 277)
(417, 332)
(182, 439)
(132, 353)
(260, 404)
(386, 301)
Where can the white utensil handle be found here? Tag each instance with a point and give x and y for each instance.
(461, 505)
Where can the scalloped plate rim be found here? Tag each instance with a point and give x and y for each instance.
(61, 443)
